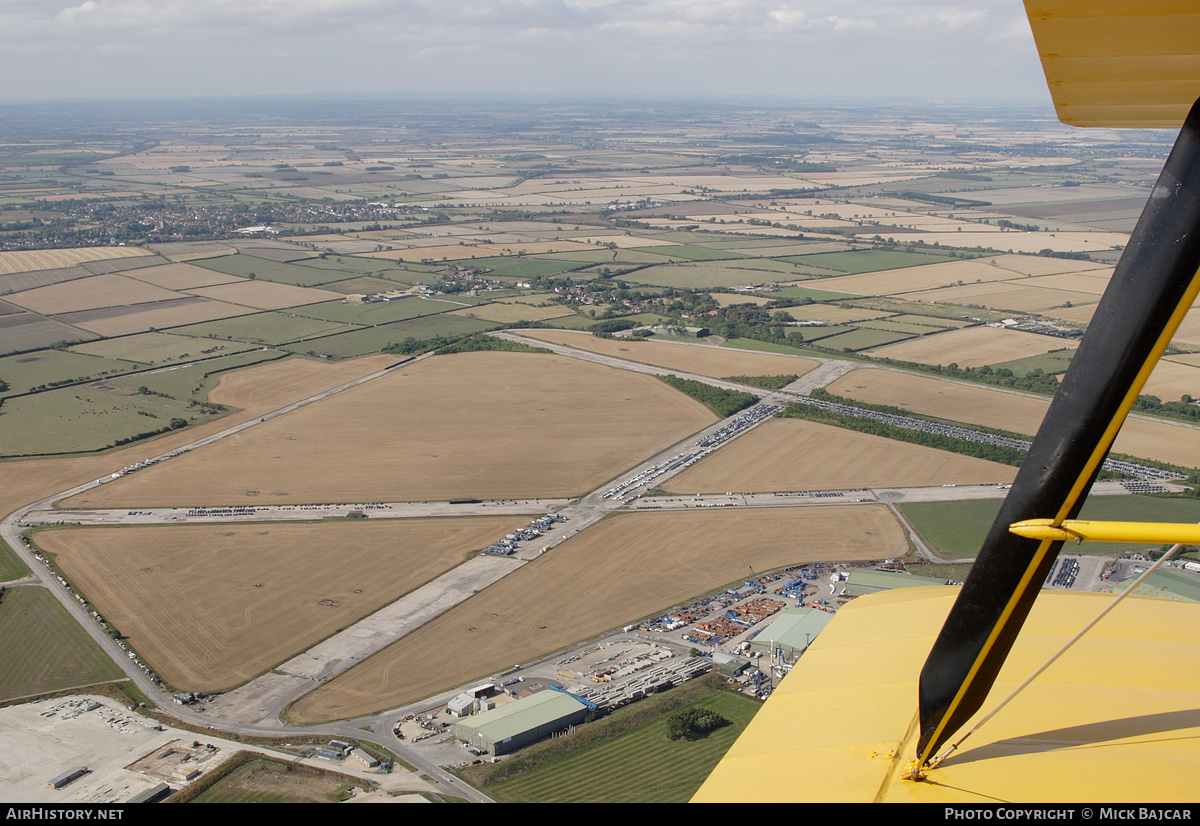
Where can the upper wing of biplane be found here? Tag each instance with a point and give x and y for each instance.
(1107, 63)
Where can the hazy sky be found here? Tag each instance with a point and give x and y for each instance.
(975, 50)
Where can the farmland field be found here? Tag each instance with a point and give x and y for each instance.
(1019, 296)
(973, 347)
(84, 418)
(265, 295)
(957, 529)
(109, 290)
(159, 348)
(700, 359)
(24, 260)
(211, 606)
(43, 649)
(263, 328)
(366, 340)
(795, 454)
(508, 313)
(29, 370)
(158, 315)
(20, 332)
(180, 276)
(487, 425)
(1178, 444)
(584, 588)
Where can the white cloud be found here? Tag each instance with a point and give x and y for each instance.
(744, 46)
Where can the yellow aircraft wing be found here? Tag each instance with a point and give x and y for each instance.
(894, 692)
(1115, 719)
(1117, 62)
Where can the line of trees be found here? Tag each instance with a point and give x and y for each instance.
(717, 399)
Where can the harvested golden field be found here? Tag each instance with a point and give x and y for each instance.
(180, 276)
(265, 295)
(1033, 265)
(973, 347)
(1094, 282)
(267, 387)
(489, 425)
(970, 404)
(1188, 334)
(621, 569)
(701, 359)
(156, 315)
(1162, 441)
(257, 389)
(796, 454)
(212, 606)
(1079, 314)
(1172, 379)
(1016, 296)
(109, 290)
(27, 260)
(833, 314)
(923, 277)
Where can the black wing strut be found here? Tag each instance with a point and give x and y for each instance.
(1153, 287)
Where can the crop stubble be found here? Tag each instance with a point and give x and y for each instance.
(624, 567)
(211, 606)
(796, 454)
(1162, 441)
(488, 425)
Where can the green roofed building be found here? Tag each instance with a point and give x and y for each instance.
(790, 632)
(519, 723)
(867, 581)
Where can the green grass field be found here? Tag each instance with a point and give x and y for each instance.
(382, 312)
(1056, 362)
(85, 418)
(248, 266)
(627, 757)
(703, 275)
(374, 339)
(694, 253)
(28, 370)
(43, 649)
(11, 566)
(525, 266)
(159, 348)
(279, 327)
(764, 347)
(955, 530)
(857, 261)
(183, 383)
(862, 338)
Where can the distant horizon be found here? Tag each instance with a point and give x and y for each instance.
(116, 50)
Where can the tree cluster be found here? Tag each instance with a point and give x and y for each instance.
(694, 723)
(720, 401)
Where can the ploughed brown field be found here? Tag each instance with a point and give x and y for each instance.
(796, 454)
(487, 425)
(212, 606)
(626, 566)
